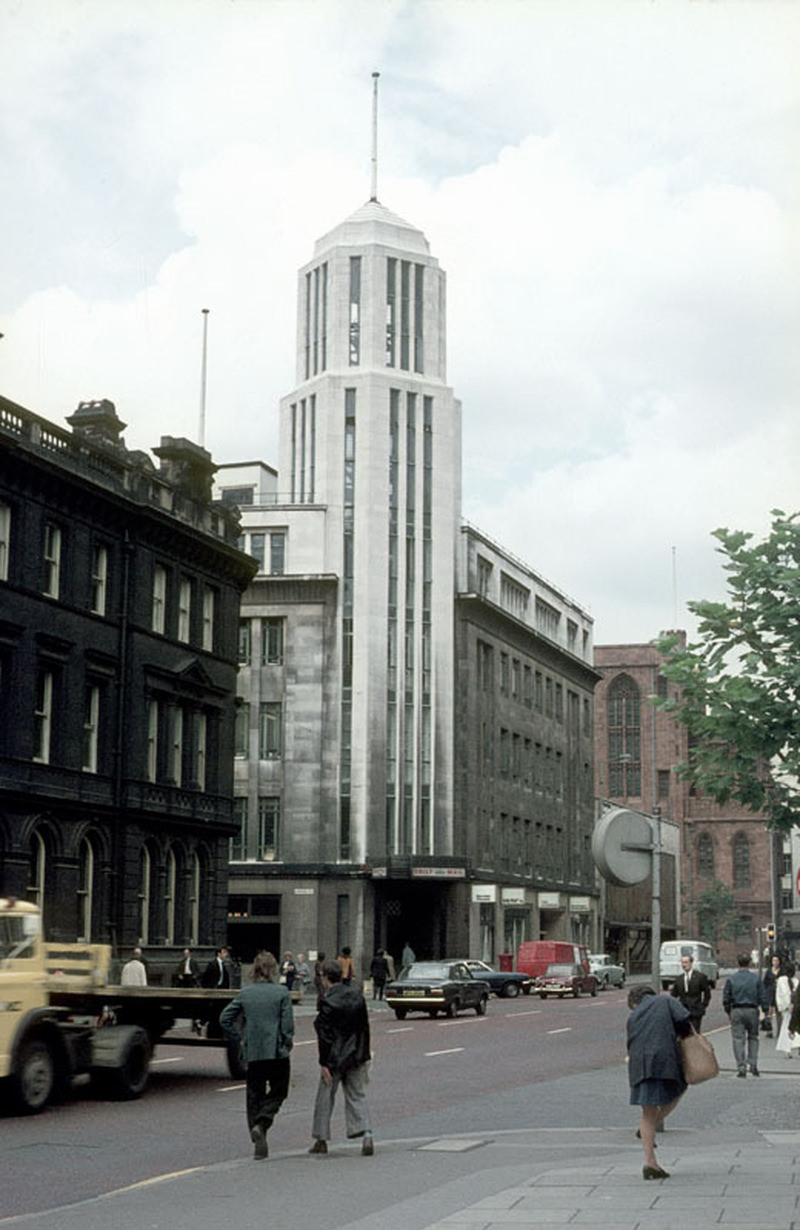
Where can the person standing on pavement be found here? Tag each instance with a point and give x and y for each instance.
(655, 1071)
(693, 990)
(742, 997)
(218, 972)
(288, 970)
(785, 994)
(134, 973)
(343, 1041)
(261, 1019)
(188, 972)
(347, 966)
(379, 973)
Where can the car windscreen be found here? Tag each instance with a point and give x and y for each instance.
(560, 971)
(425, 969)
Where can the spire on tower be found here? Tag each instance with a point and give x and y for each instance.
(373, 196)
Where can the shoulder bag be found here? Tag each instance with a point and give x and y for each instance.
(698, 1058)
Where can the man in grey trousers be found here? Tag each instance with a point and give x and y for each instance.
(342, 1026)
(742, 997)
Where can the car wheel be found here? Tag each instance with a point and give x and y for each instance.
(576, 993)
(452, 1009)
(480, 1007)
(511, 990)
(400, 1013)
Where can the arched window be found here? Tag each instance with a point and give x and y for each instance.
(145, 894)
(86, 903)
(194, 900)
(705, 856)
(741, 861)
(624, 739)
(170, 892)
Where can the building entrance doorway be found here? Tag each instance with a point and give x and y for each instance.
(411, 913)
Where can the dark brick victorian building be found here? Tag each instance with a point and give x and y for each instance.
(119, 601)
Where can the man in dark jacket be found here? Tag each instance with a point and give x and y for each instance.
(261, 1018)
(693, 990)
(218, 971)
(343, 1040)
(742, 997)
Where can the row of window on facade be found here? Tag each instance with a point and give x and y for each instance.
(532, 688)
(623, 710)
(170, 893)
(181, 738)
(405, 315)
(534, 849)
(705, 858)
(527, 761)
(515, 598)
(177, 608)
(264, 842)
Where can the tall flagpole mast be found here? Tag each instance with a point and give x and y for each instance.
(202, 432)
(374, 190)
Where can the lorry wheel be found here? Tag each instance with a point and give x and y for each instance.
(511, 990)
(35, 1078)
(125, 1077)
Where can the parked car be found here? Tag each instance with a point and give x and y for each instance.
(565, 980)
(436, 986)
(605, 971)
(507, 983)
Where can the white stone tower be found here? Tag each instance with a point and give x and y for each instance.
(372, 434)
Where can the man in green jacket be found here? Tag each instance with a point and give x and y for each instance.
(261, 1018)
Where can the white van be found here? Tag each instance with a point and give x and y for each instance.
(670, 960)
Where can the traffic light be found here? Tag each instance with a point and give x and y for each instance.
(771, 933)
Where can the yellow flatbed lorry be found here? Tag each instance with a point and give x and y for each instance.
(60, 1018)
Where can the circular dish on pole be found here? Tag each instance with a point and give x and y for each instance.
(622, 846)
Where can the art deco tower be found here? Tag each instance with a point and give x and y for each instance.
(372, 435)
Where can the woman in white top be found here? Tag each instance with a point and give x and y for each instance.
(785, 989)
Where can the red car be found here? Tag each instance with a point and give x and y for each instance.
(565, 980)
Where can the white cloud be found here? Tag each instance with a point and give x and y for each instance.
(611, 188)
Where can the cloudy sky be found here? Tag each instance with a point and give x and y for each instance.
(611, 187)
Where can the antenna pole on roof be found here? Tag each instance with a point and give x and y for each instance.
(373, 196)
(203, 366)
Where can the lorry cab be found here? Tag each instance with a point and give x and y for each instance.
(670, 960)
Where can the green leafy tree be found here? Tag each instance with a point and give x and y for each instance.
(739, 683)
(717, 915)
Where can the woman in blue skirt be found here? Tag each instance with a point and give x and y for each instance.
(655, 1071)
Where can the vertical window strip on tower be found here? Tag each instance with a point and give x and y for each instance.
(405, 312)
(419, 301)
(308, 327)
(345, 758)
(391, 309)
(426, 834)
(391, 647)
(355, 311)
(410, 636)
(324, 333)
(315, 346)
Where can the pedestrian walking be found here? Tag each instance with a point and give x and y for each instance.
(260, 1018)
(742, 998)
(655, 1071)
(134, 973)
(770, 981)
(693, 990)
(379, 973)
(343, 1040)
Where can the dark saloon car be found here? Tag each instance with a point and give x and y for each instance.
(436, 986)
(565, 980)
(507, 983)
